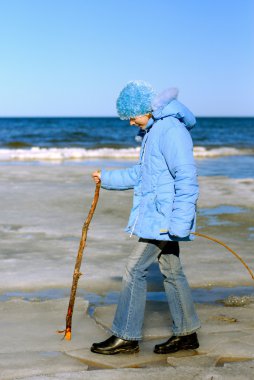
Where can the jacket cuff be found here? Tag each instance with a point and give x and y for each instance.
(104, 179)
(178, 232)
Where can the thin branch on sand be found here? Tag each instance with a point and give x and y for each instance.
(229, 249)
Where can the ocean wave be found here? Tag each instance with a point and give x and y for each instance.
(62, 154)
(18, 145)
(203, 152)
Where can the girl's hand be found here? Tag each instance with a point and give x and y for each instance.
(96, 176)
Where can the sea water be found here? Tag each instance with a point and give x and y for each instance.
(229, 142)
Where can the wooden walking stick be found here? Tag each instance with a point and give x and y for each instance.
(76, 273)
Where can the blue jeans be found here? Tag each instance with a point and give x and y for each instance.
(129, 316)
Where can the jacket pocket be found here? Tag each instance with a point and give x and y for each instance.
(164, 209)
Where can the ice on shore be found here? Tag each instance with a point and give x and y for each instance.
(31, 348)
(43, 209)
(238, 372)
(25, 364)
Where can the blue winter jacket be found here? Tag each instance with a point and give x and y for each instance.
(164, 179)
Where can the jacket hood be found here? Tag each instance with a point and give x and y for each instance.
(166, 104)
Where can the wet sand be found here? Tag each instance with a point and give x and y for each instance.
(42, 211)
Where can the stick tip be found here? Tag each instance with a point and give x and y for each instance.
(68, 335)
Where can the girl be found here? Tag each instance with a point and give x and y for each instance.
(164, 212)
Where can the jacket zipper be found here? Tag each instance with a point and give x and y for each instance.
(144, 149)
(142, 160)
(134, 225)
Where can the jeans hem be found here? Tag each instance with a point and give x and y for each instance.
(125, 337)
(183, 333)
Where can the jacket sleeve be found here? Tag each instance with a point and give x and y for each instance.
(122, 179)
(177, 149)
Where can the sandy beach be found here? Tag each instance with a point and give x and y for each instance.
(43, 207)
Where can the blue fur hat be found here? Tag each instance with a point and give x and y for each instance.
(135, 99)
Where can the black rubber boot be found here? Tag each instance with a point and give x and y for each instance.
(115, 345)
(176, 343)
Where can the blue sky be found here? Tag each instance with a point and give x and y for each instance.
(72, 57)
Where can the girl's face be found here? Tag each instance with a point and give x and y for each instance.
(140, 121)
